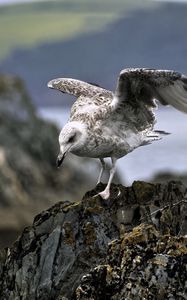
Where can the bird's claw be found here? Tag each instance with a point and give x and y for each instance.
(104, 195)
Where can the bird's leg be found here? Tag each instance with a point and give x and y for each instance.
(103, 166)
(106, 193)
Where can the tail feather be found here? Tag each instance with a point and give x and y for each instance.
(154, 136)
(161, 132)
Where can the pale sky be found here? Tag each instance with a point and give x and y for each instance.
(4, 2)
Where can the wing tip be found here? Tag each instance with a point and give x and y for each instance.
(57, 83)
(50, 84)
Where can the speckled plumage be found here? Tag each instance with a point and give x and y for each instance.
(114, 124)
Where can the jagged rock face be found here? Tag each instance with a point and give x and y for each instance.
(142, 265)
(131, 246)
(168, 176)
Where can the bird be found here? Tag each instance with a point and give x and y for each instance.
(105, 124)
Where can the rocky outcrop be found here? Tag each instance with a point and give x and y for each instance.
(131, 246)
(141, 265)
(168, 176)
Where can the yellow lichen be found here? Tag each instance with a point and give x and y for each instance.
(70, 206)
(142, 190)
(160, 260)
(141, 233)
(95, 209)
(109, 275)
(69, 237)
(89, 233)
(173, 246)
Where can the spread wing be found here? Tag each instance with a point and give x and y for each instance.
(137, 90)
(76, 87)
(90, 97)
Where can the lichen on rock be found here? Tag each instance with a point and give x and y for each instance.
(136, 267)
(93, 249)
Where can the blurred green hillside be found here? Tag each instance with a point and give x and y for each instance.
(27, 25)
(89, 40)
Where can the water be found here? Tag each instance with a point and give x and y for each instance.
(169, 154)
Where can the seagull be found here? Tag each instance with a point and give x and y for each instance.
(104, 124)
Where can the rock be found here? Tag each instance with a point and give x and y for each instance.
(168, 176)
(142, 265)
(131, 246)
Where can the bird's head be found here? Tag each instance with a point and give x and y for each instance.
(71, 139)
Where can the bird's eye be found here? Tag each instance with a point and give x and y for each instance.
(71, 139)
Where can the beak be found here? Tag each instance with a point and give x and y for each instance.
(60, 159)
